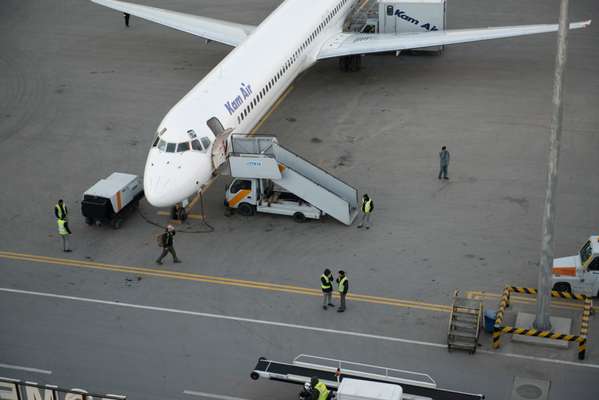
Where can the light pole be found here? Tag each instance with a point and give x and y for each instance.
(542, 321)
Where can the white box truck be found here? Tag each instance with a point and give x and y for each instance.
(405, 16)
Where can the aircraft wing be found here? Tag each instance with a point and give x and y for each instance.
(220, 31)
(345, 44)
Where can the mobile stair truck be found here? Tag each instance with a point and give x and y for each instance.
(272, 179)
(357, 381)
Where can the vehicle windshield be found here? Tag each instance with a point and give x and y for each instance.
(195, 144)
(586, 252)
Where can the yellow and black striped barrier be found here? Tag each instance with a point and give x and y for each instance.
(554, 293)
(581, 339)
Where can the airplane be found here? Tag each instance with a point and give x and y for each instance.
(245, 85)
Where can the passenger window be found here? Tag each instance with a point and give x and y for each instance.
(389, 10)
(205, 142)
(170, 147)
(181, 147)
(162, 145)
(594, 265)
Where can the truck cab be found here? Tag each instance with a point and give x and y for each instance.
(579, 273)
(249, 195)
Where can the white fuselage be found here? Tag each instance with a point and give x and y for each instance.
(239, 91)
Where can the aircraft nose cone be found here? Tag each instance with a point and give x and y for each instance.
(156, 189)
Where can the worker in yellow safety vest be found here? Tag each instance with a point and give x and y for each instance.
(343, 288)
(367, 207)
(326, 284)
(323, 392)
(60, 210)
(64, 232)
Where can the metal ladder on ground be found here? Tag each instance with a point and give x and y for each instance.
(464, 323)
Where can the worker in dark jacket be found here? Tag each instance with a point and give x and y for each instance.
(343, 287)
(166, 242)
(326, 284)
(367, 207)
(321, 388)
(443, 163)
(60, 210)
(64, 232)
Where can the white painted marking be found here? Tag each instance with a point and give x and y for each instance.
(286, 325)
(211, 395)
(29, 369)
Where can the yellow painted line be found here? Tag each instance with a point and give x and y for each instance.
(219, 280)
(529, 300)
(272, 109)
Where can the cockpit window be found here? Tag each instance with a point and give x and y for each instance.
(182, 147)
(162, 145)
(205, 142)
(195, 145)
(170, 147)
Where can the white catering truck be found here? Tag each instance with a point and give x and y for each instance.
(579, 273)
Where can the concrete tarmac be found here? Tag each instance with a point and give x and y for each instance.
(81, 97)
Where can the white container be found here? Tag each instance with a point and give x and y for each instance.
(403, 16)
(356, 389)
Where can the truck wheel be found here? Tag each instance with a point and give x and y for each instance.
(299, 217)
(89, 221)
(245, 209)
(562, 287)
(254, 376)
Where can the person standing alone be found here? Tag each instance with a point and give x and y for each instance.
(444, 162)
(166, 242)
(326, 284)
(342, 288)
(367, 207)
(64, 232)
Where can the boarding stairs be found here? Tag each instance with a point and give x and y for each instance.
(263, 157)
(356, 21)
(464, 323)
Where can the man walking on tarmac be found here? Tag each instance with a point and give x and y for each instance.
(367, 207)
(326, 284)
(443, 162)
(343, 287)
(166, 242)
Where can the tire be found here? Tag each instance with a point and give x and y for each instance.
(254, 376)
(299, 217)
(89, 221)
(562, 287)
(245, 209)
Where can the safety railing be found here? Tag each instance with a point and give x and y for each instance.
(365, 370)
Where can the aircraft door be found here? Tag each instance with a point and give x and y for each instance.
(215, 126)
(221, 146)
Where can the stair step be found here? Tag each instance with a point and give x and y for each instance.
(462, 334)
(462, 345)
(465, 317)
(464, 328)
(463, 325)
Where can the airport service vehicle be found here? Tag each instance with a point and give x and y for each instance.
(353, 381)
(579, 273)
(111, 199)
(246, 84)
(271, 179)
(262, 195)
